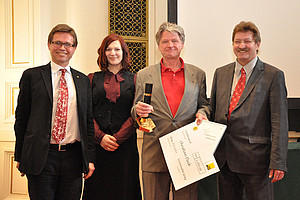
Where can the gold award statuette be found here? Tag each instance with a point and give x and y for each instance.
(146, 124)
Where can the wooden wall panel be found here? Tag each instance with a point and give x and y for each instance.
(19, 33)
(21, 46)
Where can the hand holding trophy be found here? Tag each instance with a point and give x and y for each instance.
(145, 123)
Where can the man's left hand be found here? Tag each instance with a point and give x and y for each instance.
(276, 174)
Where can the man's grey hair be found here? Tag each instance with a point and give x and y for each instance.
(170, 27)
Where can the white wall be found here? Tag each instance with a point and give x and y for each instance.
(89, 18)
(208, 25)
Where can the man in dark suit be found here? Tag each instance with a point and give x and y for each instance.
(253, 151)
(178, 94)
(54, 125)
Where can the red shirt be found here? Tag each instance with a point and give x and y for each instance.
(173, 85)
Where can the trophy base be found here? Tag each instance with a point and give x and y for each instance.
(145, 124)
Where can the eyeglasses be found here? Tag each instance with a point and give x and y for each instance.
(58, 44)
(246, 42)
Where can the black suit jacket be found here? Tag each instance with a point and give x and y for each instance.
(34, 115)
(256, 138)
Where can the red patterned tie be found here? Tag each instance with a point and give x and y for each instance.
(239, 88)
(60, 122)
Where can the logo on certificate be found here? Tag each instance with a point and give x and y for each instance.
(210, 165)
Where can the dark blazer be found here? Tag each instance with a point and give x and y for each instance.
(256, 138)
(194, 99)
(34, 115)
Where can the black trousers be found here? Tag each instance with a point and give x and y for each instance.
(236, 186)
(61, 177)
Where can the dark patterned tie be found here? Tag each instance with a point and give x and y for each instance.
(60, 122)
(239, 88)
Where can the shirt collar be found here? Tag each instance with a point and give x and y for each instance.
(55, 68)
(164, 68)
(248, 67)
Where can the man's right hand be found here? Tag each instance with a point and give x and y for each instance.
(199, 118)
(143, 109)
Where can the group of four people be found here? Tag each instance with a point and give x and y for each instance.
(96, 126)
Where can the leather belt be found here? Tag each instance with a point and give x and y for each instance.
(64, 147)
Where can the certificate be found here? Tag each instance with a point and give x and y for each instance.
(189, 150)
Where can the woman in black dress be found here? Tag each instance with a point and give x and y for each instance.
(116, 176)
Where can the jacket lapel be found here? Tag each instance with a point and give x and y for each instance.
(189, 89)
(46, 74)
(158, 91)
(78, 87)
(227, 83)
(257, 73)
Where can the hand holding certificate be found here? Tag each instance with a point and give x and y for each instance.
(189, 152)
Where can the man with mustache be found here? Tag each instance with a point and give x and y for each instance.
(250, 97)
